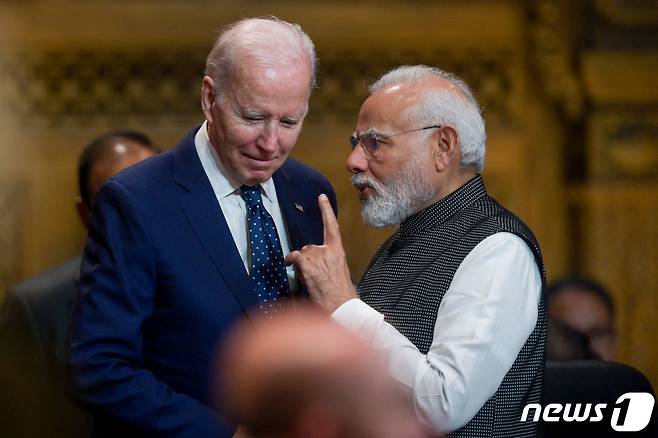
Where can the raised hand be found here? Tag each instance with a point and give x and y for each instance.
(323, 269)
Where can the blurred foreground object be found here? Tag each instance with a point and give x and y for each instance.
(302, 375)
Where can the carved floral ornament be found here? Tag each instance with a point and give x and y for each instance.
(82, 84)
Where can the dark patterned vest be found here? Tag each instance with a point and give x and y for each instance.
(411, 272)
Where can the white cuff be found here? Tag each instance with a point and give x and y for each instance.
(353, 314)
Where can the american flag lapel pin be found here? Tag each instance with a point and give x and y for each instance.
(299, 207)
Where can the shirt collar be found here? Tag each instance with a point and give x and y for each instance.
(225, 185)
(445, 208)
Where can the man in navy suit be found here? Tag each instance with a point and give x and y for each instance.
(168, 266)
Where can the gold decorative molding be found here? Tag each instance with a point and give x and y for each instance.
(621, 77)
(628, 12)
(623, 145)
(551, 54)
(12, 206)
(82, 84)
(619, 246)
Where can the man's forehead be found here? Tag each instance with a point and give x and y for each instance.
(123, 147)
(271, 65)
(272, 71)
(387, 110)
(269, 74)
(287, 87)
(407, 93)
(395, 103)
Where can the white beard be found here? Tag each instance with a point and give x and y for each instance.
(397, 197)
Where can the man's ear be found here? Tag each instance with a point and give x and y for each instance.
(208, 97)
(83, 212)
(446, 148)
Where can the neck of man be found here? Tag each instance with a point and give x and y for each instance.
(451, 181)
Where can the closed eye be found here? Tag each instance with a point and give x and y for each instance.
(289, 123)
(253, 119)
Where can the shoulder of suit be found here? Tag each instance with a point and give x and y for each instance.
(299, 170)
(146, 178)
(146, 170)
(150, 176)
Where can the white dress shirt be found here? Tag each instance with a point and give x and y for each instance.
(485, 317)
(227, 192)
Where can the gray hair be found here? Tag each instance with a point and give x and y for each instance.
(271, 40)
(445, 107)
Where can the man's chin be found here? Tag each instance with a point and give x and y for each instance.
(373, 223)
(368, 218)
(255, 177)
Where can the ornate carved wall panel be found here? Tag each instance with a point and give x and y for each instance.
(624, 145)
(74, 84)
(69, 84)
(65, 84)
(12, 210)
(616, 203)
(550, 49)
(620, 247)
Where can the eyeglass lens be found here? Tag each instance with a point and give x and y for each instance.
(368, 141)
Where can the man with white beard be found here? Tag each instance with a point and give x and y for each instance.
(455, 297)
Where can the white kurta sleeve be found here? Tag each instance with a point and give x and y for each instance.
(485, 318)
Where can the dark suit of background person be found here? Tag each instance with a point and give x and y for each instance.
(37, 310)
(162, 280)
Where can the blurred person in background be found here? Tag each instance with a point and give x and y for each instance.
(38, 308)
(582, 312)
(36, 312)
(566, 343)
(302, 375)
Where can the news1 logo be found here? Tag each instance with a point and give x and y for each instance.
(631, 412)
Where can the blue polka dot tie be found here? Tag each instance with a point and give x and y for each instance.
(267, 268)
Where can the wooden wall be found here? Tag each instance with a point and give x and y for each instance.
(568, 88)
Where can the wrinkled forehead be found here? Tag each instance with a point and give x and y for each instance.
(271, 78)
(271, 68)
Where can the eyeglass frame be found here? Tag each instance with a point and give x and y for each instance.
(358, 139)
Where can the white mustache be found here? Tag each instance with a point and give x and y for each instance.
(363, 180)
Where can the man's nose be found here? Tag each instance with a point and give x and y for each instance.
(357, 161)
(270, 136)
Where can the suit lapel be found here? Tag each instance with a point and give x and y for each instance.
(295, 211)
(201, 208)
(297, 216)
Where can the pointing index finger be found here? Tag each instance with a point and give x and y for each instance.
(329, 222)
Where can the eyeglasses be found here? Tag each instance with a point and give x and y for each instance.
(371, 140)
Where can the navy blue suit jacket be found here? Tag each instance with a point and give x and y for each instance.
(160, 285)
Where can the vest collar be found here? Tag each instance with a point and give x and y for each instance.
(444, 209)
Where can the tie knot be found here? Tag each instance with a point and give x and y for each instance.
(251, 195)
